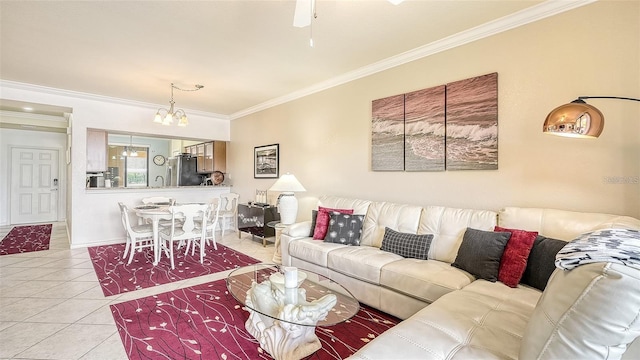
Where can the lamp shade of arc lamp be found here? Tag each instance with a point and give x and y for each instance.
(577, 118)
(287, 185)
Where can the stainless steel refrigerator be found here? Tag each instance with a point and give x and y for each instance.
(182, 170)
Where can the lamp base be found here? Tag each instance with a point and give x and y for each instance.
(288, 208)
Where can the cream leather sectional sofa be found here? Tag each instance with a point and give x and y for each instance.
(592, 311)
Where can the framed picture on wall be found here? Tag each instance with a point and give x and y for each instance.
(266, 161)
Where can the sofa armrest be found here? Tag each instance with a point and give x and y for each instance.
(291, 233)
(298, 230)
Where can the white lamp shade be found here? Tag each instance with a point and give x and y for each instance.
(287, 183)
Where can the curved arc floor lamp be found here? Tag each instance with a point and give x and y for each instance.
(577, 118)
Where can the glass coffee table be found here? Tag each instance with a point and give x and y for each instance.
(282, 319)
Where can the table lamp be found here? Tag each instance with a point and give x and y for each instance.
(287, 204)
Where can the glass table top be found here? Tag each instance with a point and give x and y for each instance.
(313, 288)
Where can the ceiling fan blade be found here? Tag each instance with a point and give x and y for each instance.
(302, 15)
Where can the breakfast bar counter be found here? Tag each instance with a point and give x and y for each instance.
(100, 208)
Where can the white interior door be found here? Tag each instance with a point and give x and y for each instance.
(34, 185)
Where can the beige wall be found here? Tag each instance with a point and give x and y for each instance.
(325, 138)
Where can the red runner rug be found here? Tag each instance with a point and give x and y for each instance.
(22, 239)
(117, 277)
(206, 322)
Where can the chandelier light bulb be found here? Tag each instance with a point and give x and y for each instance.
(168, 119)
(183, 121)
(158, 118)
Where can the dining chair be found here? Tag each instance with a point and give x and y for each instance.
(228, 213)
(138, 236)
(183, 228)
(210, 225)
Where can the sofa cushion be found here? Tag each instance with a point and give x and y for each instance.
(406, 245)
(313, 251)
(400, 217)
(480, 253)
(561, 224)
(514, 259)
(345, 229)
(448, 226)
(361, 262)
(360, 207)
(590, 312)
(482, 321)
(322, 221)
(426, 280)
(314, 215)
(541, 261)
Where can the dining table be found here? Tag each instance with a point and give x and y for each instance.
(156, 213)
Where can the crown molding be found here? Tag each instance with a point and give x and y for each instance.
(523, 17)
(93, 97)
(5, 114)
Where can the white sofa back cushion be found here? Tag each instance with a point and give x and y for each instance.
(360, 207)
(577, 318)
(448, 226)
(400, 217)
(561, 224)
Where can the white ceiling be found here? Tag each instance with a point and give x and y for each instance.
(247, 54)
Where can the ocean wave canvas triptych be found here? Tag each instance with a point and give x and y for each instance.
(447, 127)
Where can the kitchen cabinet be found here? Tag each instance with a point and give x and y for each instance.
(202, 167)
(212, 156)
(96, 150)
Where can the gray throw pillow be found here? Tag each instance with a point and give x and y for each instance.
(405, 244)
(344, 229)
(480, 253)
(541, 262)
(314, 215)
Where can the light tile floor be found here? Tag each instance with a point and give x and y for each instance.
(52, 307)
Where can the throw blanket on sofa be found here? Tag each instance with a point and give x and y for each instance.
(620, 246)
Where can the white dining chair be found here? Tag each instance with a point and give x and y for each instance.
(210, 225)
(228, 214)
(138, 236)
(183, 228)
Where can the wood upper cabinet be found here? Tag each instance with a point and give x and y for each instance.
(212, 156)
(202, 166)
(96, 150)
(220, 156)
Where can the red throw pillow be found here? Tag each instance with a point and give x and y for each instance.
(322, 221)
(516, 253)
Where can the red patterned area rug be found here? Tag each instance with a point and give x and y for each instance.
(117, 277)
(206, 322)
(22, 239)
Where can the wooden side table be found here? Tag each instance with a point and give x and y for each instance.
(253, 219)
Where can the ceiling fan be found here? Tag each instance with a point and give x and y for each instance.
(306, 10)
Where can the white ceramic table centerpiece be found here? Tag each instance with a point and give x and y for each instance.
(286, 305)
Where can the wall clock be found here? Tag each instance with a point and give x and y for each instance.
(159, 160)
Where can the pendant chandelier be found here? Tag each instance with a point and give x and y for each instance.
(130, 150)
(167, 117)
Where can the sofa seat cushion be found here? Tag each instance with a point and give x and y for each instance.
(312, 251)
(361, 262)
(484, 320)
(426, 280)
